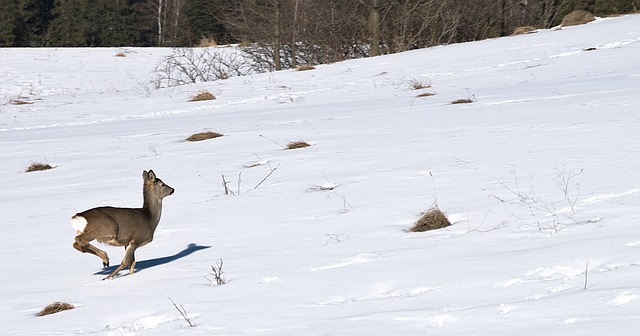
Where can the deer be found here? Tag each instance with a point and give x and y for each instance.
(128, 227)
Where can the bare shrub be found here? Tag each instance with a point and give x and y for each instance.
(433, 219)
(217, 274)
(203, 136)
(190, 65)
(297, 144)
(577, 17)
(55, 307)
(37, 166)
(203, 95)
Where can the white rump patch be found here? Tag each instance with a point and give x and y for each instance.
(78, 223)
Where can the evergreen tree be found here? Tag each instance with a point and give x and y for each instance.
(11, 26)
(35, 15)
(71, 25)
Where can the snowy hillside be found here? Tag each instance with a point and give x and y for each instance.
(538, 174)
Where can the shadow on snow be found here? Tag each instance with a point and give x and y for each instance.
(144, 264)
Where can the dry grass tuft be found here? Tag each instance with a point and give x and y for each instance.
(19, 102)
(207, 41)
(524, 30)
(425, 94)
(577, 17)
(203, 136)
(433, 219)
(305, 67)
(203, 95)
(297, 144)
(55, 307)
(120, 54)
(37, 166)
(419, 84)
(463, 101)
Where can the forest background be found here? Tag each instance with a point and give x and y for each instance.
(307, 31)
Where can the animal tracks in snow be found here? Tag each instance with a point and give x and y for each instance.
(358, 259)
(378, 294)
(625, 298)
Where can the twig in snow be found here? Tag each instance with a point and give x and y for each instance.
(262, 136)
(183, 312)
(266, 177)
(586, 275)
(217, 274)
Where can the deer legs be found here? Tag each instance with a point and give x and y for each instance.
(128, 260)
(85, 247)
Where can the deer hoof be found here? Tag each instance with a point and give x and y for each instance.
(105, 264)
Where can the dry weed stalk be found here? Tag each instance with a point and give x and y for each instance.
(183, 312)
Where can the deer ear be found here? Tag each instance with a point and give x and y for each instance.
(151, 176)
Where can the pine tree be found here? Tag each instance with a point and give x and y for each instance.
(71, 25)
(35, 15)
(11, 26)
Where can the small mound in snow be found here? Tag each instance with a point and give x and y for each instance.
(577, 17)
(55, 307)
(203, 136)
(431, 220)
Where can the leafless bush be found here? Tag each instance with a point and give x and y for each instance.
(191, 65)
(217, 274)
(559, 211)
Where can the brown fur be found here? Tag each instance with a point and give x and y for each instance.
(129, 227)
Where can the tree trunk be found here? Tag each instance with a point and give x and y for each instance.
(374, 28)
(276, 41)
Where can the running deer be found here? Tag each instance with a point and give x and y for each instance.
(128, 227)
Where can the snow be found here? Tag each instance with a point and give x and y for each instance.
(538, 175)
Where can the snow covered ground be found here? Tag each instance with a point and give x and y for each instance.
(539, 175)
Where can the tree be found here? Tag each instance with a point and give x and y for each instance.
(11, 25)
(36, 16)
(71, 25)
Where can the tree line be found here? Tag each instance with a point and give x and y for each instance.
(290, 31)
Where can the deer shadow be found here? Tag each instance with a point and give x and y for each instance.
(144, 264)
